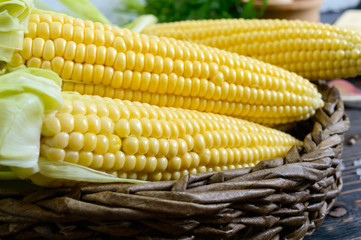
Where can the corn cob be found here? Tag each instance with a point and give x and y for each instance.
(108, 61)
(312, 50)
(139, 141)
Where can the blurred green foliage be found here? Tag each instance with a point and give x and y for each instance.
(177, 10)
(83, 9)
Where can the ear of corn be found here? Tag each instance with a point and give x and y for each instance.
(104, 60)
(313, 50)
(139, 141)
(96, 139)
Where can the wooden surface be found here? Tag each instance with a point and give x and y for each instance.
(346, 224)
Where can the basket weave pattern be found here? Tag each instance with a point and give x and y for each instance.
(282, 198)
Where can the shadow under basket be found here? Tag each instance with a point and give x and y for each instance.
(282, 198)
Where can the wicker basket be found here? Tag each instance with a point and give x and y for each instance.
(278, 199)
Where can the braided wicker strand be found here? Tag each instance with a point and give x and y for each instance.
(277, 199)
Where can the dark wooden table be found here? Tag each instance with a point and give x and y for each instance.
(346, 220)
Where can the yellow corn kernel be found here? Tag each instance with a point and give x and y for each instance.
(137, 140)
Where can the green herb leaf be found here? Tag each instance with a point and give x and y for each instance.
(170, 11)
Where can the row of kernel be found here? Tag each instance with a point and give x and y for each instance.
(311, 56)
(348, 65)
(49, 18)
(212, 158)
(267, 31)
(233, 109)
(84, 123)
(64, 19)
(313, 65)
(194, 87)
(116, 108)
(272, 111)
(117, 161)
(102, 114)
(143, 167)
(225, 156)
(170, 129)
(286, 37)
(88, 34)
(134, 113)
(272, 121)
(69, 32)
(76, 141)
(199, 142)
(348, 72)
(175, 170)
(91, 54)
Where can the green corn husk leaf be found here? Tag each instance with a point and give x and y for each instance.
(40, 5)
(85, 10)
(25, 96)
(51, 171)
(7, 174)
(14, 16)
(140, 23)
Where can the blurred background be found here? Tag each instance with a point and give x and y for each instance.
(121, 12)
